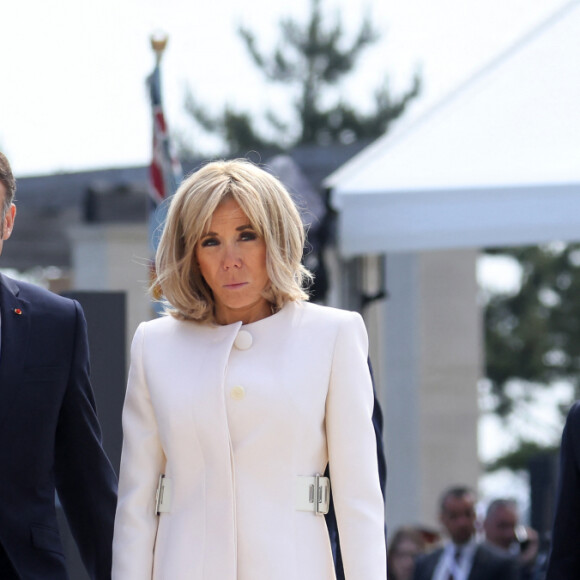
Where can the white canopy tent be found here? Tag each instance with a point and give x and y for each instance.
(497, 162)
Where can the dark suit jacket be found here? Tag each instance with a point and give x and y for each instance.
(488, 564)
(564, 562)
(49, 437)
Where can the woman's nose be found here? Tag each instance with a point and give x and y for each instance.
(232, 258)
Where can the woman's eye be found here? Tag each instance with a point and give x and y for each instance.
(248, 236)
(209, 242)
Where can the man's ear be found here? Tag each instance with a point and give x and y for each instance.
(9, 222)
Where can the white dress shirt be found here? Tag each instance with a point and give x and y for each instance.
(449, 565)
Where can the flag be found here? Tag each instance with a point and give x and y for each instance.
(165, 170)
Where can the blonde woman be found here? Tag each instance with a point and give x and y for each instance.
(239, 398)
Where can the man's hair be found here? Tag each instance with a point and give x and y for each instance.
(8, 181)
(457, 491)
(500, 503)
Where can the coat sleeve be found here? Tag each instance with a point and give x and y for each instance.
(85, 480)
(565, 557)
(352, 452)
(142, 461)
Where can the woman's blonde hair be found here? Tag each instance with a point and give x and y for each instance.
(272, 214)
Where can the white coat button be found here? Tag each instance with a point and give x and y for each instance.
(243, 340)
(238, 393)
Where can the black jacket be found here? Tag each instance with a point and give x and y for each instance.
(49, 438)
(488, 564)
(564, 562)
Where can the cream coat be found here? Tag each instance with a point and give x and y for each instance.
(233, 424)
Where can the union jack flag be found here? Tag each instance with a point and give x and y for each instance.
(165, 172)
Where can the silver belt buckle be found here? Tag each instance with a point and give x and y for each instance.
(319, 495)
(163, 495)
(312, 494)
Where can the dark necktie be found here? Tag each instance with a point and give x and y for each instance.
(456, 559)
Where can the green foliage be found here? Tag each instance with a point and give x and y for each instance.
(519, 460)
(235, 129)
(534, 335)
(310, 59)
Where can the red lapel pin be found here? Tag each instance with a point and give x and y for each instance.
(17, 311)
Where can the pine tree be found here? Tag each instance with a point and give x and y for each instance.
(532, 337)
(311, 59)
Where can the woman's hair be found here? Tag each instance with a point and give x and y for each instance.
(272, 214)
(406, 533)
(403, 533)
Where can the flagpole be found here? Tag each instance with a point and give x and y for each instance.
(165, 171)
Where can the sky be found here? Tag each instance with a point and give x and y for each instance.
(73, 93)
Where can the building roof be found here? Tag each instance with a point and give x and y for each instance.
(49, 204)
(496, 162)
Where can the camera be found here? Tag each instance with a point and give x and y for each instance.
(522, 537)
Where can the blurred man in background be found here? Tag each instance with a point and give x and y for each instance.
(462, 557)
(503, 530)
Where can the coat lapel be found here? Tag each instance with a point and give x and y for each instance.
(15, 323)
(478, 566)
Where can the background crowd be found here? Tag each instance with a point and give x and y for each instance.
(475, 541)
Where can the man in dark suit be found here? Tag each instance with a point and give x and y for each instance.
(503, 530)
(462, 558)
(49, 433)
(564, 560)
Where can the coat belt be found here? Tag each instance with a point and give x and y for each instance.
(312, 494)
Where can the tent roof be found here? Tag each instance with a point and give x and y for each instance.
(496, 162)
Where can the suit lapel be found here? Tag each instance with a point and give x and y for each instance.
(430, 564)
(433, 564)
(478, 570)
(15, 324)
